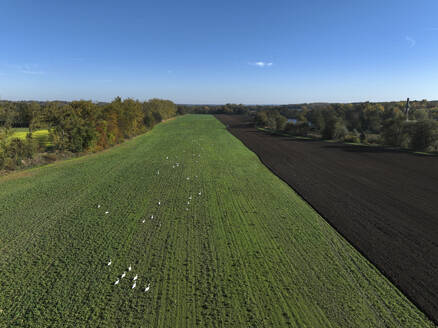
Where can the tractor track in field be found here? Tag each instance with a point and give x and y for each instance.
(384, 202)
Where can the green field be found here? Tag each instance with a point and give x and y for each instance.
(41, 135)
(247, 252)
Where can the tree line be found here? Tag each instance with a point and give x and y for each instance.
(84, 126)
(383, 123)
(77, 126)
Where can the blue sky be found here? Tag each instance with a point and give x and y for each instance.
(252, 52)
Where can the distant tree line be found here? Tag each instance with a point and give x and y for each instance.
(382, 123)
(214, 109)
(371, 123)
(78, 126)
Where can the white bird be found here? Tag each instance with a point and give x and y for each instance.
(188, 178)
(147, 288)
(199, 193)
(190, 197)
(159, 203)
(167, 157)
(152, 217)
(158, 172)
(106, 212)
(135, 278)
(133, 286)
(143, 221)
(98, 206)
(117, 282)
(129, 268)
(123, 274)
(188, 203)
(109, 263)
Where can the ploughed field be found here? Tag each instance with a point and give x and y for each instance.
(384, 202)
(212, 237)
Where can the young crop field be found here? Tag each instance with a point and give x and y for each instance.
(42, 136)
(219, 240)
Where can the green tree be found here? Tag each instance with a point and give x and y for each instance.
(393, 133)
(425, 135)
(316, 118)
(334, 127)
(69, 131)
(280, 122)
(261, 119)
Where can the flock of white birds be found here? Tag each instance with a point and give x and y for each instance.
(129, 269)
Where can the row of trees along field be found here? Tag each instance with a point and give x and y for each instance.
(369, 123)
(75, 127)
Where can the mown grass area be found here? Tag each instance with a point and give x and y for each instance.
(246, 252)
(41, 135)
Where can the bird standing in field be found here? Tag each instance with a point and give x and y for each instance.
(129, 268)
(123, 274)
(147, 287)
(117, 282)
(135, 278)
(106, 212)
(109, 262)
(135, 284)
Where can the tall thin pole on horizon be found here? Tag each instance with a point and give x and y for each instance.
(407, 108)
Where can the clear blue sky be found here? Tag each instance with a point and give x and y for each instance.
(264, 52)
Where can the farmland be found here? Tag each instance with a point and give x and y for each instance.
(42, 136)
(383, 201)
(230, 244)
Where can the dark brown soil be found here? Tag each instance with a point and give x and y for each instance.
(383, 202)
